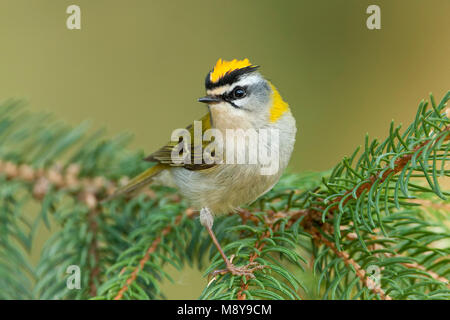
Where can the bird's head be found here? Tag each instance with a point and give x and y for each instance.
(239, 97)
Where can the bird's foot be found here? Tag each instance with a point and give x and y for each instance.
(246, 270)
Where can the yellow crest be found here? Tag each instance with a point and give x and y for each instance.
(224, 67)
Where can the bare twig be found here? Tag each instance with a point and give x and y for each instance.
(360, 272)
(152, 248)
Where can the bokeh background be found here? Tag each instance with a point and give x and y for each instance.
(139, 65)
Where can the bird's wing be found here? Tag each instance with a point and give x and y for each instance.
(164, 154)
(164, 160)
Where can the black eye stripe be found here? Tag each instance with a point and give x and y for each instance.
(227, 99)
(229, 96)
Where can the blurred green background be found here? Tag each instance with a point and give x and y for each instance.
(138, 66)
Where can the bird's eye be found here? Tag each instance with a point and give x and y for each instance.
(238, 93)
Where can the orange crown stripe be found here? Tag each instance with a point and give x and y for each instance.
(224, 67)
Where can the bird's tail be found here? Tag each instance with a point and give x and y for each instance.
(137, 182)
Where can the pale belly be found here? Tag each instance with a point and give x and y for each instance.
(223, 188)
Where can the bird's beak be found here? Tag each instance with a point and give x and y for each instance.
(210, 99)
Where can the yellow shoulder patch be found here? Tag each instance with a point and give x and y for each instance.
(279, 106)
(223, 67)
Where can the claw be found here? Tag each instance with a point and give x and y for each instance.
(246, 270)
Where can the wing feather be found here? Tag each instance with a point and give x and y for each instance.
(164, 154)
(164, 160)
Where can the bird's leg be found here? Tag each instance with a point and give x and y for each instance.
(207, 220)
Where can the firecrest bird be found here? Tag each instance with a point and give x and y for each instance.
(238, 97)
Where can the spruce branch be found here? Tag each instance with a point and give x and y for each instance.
(148, 253)
(382, 207)
(360, 272)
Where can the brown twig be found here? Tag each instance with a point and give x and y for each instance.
(153, 246)
(415, 265)
(431, 204)
(432, 274)
(269, 221)
(259, 245)
(399, 165)
(360, 272)
(90, 200)
(63, 179)
(93, 252)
